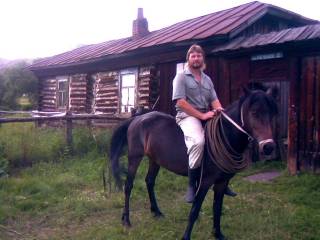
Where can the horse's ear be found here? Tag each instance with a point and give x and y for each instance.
(246, 91)
(273, 92)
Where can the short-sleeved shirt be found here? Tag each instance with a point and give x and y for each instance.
(197, 94)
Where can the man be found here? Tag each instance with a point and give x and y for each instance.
(195, 98)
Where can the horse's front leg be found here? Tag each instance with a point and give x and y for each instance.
(194, 212)
(219, 190)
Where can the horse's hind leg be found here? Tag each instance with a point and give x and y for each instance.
(150, 181)
(133, 163)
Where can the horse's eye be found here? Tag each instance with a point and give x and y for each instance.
(255, 113)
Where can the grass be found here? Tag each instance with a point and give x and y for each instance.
(65, 200)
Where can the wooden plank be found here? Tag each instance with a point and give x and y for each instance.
(305, 111)
(239, 76)
(269, 70)
(316, 140)
(309, 113)
(224, 82)
(292, 156)
(167, 74)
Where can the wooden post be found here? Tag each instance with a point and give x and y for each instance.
(69, 131)
(292, 162)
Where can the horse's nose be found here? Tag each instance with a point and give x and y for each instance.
(267, 147)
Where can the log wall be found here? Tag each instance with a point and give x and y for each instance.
(78, 93)
(48, 95)
(106, 91)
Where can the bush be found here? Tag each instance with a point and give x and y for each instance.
(4, 164)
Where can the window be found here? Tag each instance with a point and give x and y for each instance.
(127, 86)
(180, 67)
(62, 93)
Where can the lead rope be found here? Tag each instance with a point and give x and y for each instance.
(228, 160)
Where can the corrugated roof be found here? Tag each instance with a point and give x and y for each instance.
(215, 24)
(309, 32)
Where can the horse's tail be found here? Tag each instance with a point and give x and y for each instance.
(118, 141)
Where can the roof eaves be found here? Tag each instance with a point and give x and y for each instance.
(247, 23)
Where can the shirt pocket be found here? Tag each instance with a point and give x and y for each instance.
(192, 89)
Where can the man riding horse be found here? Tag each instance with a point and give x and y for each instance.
(196, 102)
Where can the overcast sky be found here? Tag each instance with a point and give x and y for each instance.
(41, 28)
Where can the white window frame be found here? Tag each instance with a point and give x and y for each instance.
(130, 89)
(64, 92)
(180, 67)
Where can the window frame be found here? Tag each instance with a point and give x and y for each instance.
(66, 91)
(134, 72)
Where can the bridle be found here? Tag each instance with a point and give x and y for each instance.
(240, 128)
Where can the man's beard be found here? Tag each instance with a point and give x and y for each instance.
(196, 66)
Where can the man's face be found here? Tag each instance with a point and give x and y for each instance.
(195, 60)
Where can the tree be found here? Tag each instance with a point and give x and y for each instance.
(16, 81)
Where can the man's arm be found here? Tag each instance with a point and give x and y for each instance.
(216, 105)
(190, 110)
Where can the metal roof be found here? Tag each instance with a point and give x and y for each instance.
(309, 32)
(211, 25)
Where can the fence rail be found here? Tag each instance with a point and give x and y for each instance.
(56, 116)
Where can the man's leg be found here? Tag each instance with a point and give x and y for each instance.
(194, 139)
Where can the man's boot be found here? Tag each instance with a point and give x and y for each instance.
(229, 192)
(192, 188)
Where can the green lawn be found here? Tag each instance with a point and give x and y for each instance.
(66, 200)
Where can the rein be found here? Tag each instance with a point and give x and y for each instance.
(219, 149)
(250, 138)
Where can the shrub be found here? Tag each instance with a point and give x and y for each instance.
(4, 164)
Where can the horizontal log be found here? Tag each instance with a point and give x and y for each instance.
(52, 81)
(108, 81)
(111, 105)
(49, 88)
(99, 86)
(78, 85)
(82, 89)
(78, 96)
(48, 102)
(45, 93)
(107, 74)
(111, 97)
(53, 118)
(103, 91)
(107, 94)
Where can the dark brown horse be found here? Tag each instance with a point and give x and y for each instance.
(158, 136)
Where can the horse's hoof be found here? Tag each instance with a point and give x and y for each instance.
(126, 222)
(219, 236)
(158, 214)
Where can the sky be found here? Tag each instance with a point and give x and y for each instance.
(41, 28)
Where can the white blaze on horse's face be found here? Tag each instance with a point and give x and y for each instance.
(265, 139)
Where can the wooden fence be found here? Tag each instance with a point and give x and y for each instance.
(69, 117)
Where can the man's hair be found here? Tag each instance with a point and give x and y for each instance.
(198, 49)
(195, 48)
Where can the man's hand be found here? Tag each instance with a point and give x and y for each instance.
(207, 115)
(218, 110)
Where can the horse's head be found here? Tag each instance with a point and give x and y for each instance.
(257, 111)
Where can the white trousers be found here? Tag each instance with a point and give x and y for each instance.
(194, 139)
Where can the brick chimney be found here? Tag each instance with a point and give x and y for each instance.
(140, 26)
